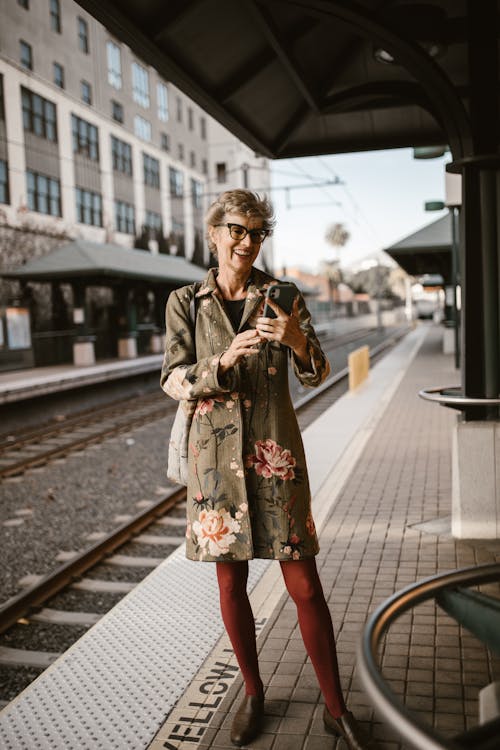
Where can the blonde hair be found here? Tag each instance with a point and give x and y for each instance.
(243, 202)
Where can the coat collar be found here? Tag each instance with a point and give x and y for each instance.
(257, 285)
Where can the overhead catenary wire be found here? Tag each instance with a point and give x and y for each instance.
(137, 182)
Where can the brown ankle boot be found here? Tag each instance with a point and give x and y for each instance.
(347, 727)
(247, 723)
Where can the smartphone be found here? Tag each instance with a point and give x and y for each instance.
(283, 294)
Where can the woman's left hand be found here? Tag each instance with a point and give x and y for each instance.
(285, 329)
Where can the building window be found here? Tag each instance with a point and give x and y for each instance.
(192, 159)
(83, 36)
(203, 128)
(190, 118)
(220, 170)
(44, 194)
(116, 111)
(58, 72)
(179, 109)
(176, 182)
(196, 193)
(24, 4)
(26, 55)
(165, 142)
(4, 182)
(162, 101)
(121, 155)
(151, 171)
(86, 92)
(114, 65)
(140, 85)
(153, 223)
(85, 139)
(39, 115)
(55, 16)
(142, 128)
(88, 207)
(124, 217)
(180, 151)
(204, 166)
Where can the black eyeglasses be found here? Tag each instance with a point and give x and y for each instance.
(238, 232)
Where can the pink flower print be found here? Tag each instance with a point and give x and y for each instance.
(294, 539)
(272, 370)
(215, 531)
(296, 555)
(310, 525)
(247, 403)
(205, 406)
(271, 459)
(230, 405)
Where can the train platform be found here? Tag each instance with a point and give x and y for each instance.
(158, 672)
(19, 385)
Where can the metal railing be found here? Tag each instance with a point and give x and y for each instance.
(412, 729)
(450, 396)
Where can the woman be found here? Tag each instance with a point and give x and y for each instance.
(248, 490)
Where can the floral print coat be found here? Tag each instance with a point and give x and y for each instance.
(248, 490)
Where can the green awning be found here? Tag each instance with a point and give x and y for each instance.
(427, 251)
(105, 263)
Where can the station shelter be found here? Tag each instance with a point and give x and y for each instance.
(113, 304)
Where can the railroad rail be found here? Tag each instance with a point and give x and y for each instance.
(29, 605)
(58, 439)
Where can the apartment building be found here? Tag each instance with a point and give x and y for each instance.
(95, 144)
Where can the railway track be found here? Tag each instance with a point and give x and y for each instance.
(32, 448)
(43, 604)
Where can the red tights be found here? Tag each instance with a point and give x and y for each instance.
(303, 585)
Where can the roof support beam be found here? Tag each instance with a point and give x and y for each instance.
(283, 52)
(437, 86)
(259, 62)
(171, 13)
(377, 95)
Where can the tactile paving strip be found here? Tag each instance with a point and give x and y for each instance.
(115, 686)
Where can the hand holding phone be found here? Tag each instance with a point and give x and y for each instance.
(283, 294)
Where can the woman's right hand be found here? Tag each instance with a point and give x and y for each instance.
(243, 345)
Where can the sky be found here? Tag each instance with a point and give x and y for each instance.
(381, 200)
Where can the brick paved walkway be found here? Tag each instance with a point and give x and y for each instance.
(370, 547)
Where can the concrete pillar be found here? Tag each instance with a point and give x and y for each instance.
(448, 340)
(475, 480)
(83, 345)
(83, 353)
(127, 321)
(127, 347)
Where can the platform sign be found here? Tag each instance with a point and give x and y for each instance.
(18, 327)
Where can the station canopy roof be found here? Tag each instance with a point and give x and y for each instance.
(303, 77)
(427, 251)
(102, 264)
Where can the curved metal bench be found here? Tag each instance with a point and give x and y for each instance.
(470, 609)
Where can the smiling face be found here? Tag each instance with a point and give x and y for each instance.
(236, 256)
